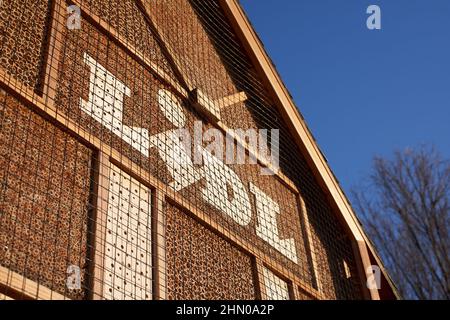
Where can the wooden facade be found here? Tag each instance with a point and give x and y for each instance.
(92, 187)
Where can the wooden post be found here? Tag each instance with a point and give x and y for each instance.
(99, 232)
(53, 51)
(309, 243)
(259, 280)
(159, 246)
(362, 263)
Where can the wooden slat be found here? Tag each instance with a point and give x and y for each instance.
(362, 264)
(231, 100)
(102, 184)
(159, 246)
(58, 22)
(309, 242)
(259, 279)
(294, 292)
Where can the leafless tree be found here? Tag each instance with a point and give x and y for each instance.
(405, 208)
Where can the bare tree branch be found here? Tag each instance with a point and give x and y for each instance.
(405, 208)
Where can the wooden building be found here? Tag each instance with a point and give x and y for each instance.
(99, 198)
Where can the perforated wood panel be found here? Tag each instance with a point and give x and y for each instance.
(128, 254)
(274, 287)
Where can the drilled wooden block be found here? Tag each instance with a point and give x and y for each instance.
(128, 248)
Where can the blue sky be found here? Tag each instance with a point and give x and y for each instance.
(362, 92)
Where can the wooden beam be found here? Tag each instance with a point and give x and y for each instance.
(309, 243)
(28, 288)
(231, 100)
(165, 45)
(205, 106)
(159, 246)
(363, 264)
(53, 51)
(100, 218)
(294, 293)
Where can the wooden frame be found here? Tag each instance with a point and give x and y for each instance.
(259, 279)
(43, 107)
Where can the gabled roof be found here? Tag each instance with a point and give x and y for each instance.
(304, 139)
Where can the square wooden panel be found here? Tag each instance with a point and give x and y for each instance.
(45, 177)
(203, 265)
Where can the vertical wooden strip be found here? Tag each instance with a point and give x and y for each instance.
(54, 50)
(362, 263)
(309, 243)
(259, 280)
(102, 183)
(159, 246)
(294, 292)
